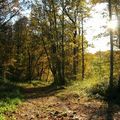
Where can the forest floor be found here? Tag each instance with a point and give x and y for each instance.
(49, 104)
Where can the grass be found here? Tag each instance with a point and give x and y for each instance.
(92, 88)
(35, 84)
(85, 88)
(8, 104)
(2, 117)
(10, 97)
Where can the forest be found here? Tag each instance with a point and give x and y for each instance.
(47, 68)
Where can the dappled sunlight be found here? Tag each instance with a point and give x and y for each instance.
(59, 60)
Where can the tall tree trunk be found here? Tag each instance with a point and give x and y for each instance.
(82, 49)
(29, 67)
(59, 63)
(118, 20)
(74, 56)
(111, 48)
(63, 52)
(75, 50)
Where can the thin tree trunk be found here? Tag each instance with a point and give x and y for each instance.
(82, 50)
(118, 19)
(29, 67)
(74, 56)
(75, 49)
(111, 49)
(63, 52)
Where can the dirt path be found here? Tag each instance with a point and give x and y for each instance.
(43, 104)
(55, 108)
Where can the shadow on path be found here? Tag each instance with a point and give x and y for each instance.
(31, 93)
(110, 111)
(113, 111)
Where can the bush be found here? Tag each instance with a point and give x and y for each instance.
(99, 90)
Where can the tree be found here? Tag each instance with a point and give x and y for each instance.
(22, 48)
(117, 11)
(82, 47)
(111, 47)
(74, 11)
(63, 52)
(6, 48)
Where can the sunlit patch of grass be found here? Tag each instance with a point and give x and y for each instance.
(2, 117)
(35, 83)
(81, 88)
(8, 105)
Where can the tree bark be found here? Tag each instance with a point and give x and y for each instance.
(82, 49)
(111, 48)
(63, 52)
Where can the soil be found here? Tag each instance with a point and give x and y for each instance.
(69, 107)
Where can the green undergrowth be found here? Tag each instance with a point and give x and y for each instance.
(92, 88)
(10, 97)
(102, 91)
(35, 84)
(88, 88)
